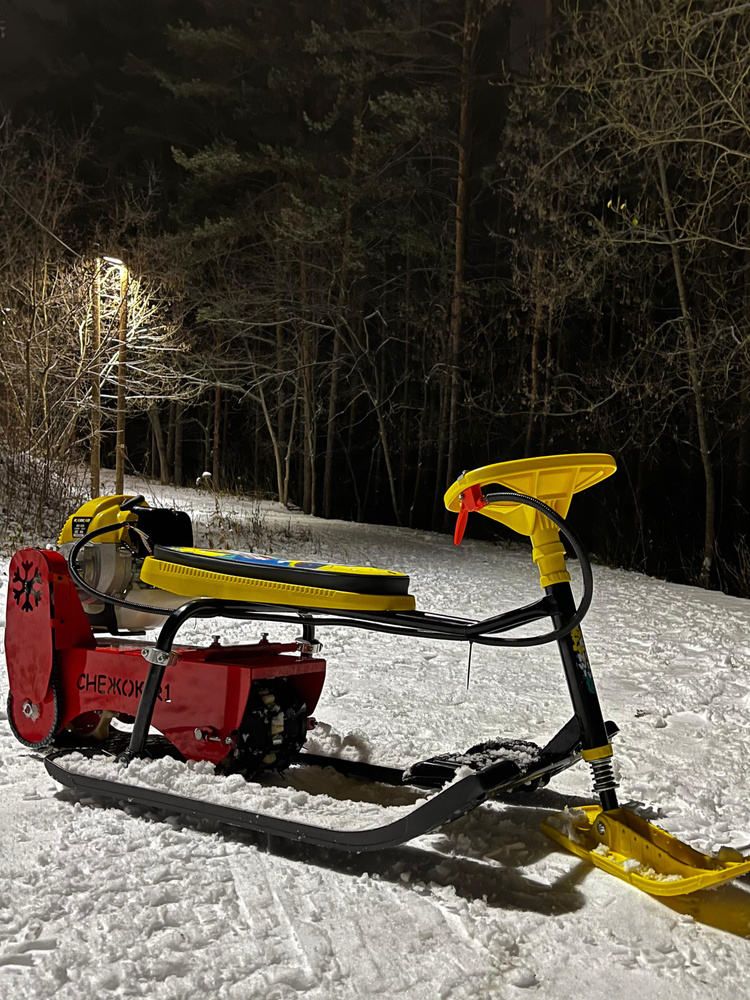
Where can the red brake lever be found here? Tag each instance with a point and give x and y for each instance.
(470, 499)
(458, 534)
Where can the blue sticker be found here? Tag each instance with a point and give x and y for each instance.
(252, 559)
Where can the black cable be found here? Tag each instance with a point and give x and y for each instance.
(132, 502)
(468, 631)
(106, 598)
(581, 554)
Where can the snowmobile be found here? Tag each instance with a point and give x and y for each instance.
(83, 682)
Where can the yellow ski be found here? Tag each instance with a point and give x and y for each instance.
(636, 851)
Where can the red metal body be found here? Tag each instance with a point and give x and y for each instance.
(206, 690)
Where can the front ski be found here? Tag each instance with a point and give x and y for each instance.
(632, 849)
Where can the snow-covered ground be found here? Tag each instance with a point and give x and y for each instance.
(99, 902)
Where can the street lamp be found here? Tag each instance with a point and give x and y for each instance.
(121, 375)
(96, 414)
(96, 382)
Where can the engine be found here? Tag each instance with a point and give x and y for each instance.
(111, 563)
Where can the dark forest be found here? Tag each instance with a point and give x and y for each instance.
(367, 247)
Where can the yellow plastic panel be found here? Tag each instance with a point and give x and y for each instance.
(631, 849)
(189, 581)
(95, 514)
(552, 479)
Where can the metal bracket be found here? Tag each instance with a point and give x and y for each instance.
(308, 647)
(159, 656)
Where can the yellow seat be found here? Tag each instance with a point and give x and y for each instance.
(246, 576)
(552, 479)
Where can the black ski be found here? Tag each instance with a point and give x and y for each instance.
(458, 798)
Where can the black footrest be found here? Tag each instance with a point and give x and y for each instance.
(519, 757)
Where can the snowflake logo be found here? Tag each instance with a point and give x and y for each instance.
(27, 590)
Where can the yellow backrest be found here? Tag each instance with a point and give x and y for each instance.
(552, 479)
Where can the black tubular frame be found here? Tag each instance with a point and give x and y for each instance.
(421, 624)
(558, 604)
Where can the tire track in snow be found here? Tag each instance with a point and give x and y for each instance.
(262, 886)
(350, 935)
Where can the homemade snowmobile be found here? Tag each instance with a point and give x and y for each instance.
(121, 566)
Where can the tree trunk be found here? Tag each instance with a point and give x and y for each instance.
(121, 389)
(308, 406)
(275, 443)
(349, 451)
(420, 456)
(343, 301)
(376, 400)
(701, 419)
(216, 454)
(207, 439)
(30, 337)
(407, 415)
(281, 366)
(96, 381)
(547, 383)
(440, 477)
(470, 34)
(154, 455)
(171, 434)
(289, 441)
(153, 416)
(333, 402)
(741, 512)
(256, 449)
(641, 496)
(178, 435)
(536, 350)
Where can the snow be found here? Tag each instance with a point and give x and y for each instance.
(104, 901)
(305, 795)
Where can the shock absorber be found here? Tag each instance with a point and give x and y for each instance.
(603, 775)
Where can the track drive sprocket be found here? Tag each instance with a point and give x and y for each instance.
(35, 724)
(273, 730)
